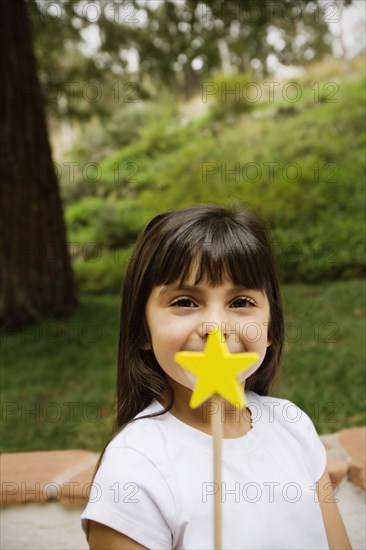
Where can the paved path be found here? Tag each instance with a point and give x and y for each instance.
(57, 519)
(352, 506)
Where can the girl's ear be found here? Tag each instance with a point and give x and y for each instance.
(146, 346)
(269, 342)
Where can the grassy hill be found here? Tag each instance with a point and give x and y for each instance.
(299, 163)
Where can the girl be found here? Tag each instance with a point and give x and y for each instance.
(194, 269)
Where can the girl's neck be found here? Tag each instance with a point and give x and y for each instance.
(236, 423)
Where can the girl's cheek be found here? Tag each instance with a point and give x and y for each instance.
(244, 375)
(254, 333)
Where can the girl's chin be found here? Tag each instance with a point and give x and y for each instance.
(189, 380)
(247, 373)
(189, 383)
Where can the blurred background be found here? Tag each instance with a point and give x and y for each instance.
(116, 111)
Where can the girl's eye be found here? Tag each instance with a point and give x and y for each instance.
(183, 302)
(243, 302)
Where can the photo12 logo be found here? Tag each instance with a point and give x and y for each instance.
(269, 491)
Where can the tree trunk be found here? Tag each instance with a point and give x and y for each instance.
(36, 278)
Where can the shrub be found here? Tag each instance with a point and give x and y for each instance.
(110, 224)
(103, 273)
(224, 101)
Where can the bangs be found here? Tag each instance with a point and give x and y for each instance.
(220, 250)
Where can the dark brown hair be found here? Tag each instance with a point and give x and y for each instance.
(228, 242)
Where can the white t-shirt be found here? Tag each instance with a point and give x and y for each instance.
(155, 483)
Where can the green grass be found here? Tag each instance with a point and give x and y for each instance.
(63, 371)
(58, 376)
(324, 364)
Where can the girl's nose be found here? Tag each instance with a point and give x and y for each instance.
(215, 321)
(213, 327)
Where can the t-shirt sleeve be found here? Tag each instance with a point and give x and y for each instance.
(313, 450)
(318, 461)
(129, 494)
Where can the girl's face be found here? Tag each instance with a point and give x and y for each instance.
(179, 319)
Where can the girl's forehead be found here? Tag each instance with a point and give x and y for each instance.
(212, 271)
(192, 279)
(197, 274)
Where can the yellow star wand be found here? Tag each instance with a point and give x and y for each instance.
(216, 370)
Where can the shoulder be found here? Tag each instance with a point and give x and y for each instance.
(287, 426)
(142, 439)
(133, 481)
(276, 410)
(145, 446)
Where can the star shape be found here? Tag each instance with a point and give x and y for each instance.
(216, 370)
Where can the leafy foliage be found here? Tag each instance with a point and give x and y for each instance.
(178, 45)
(285, 160)
(109, 224)
(229, 94)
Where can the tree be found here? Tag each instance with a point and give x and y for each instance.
(36, 278)
(178, 43)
